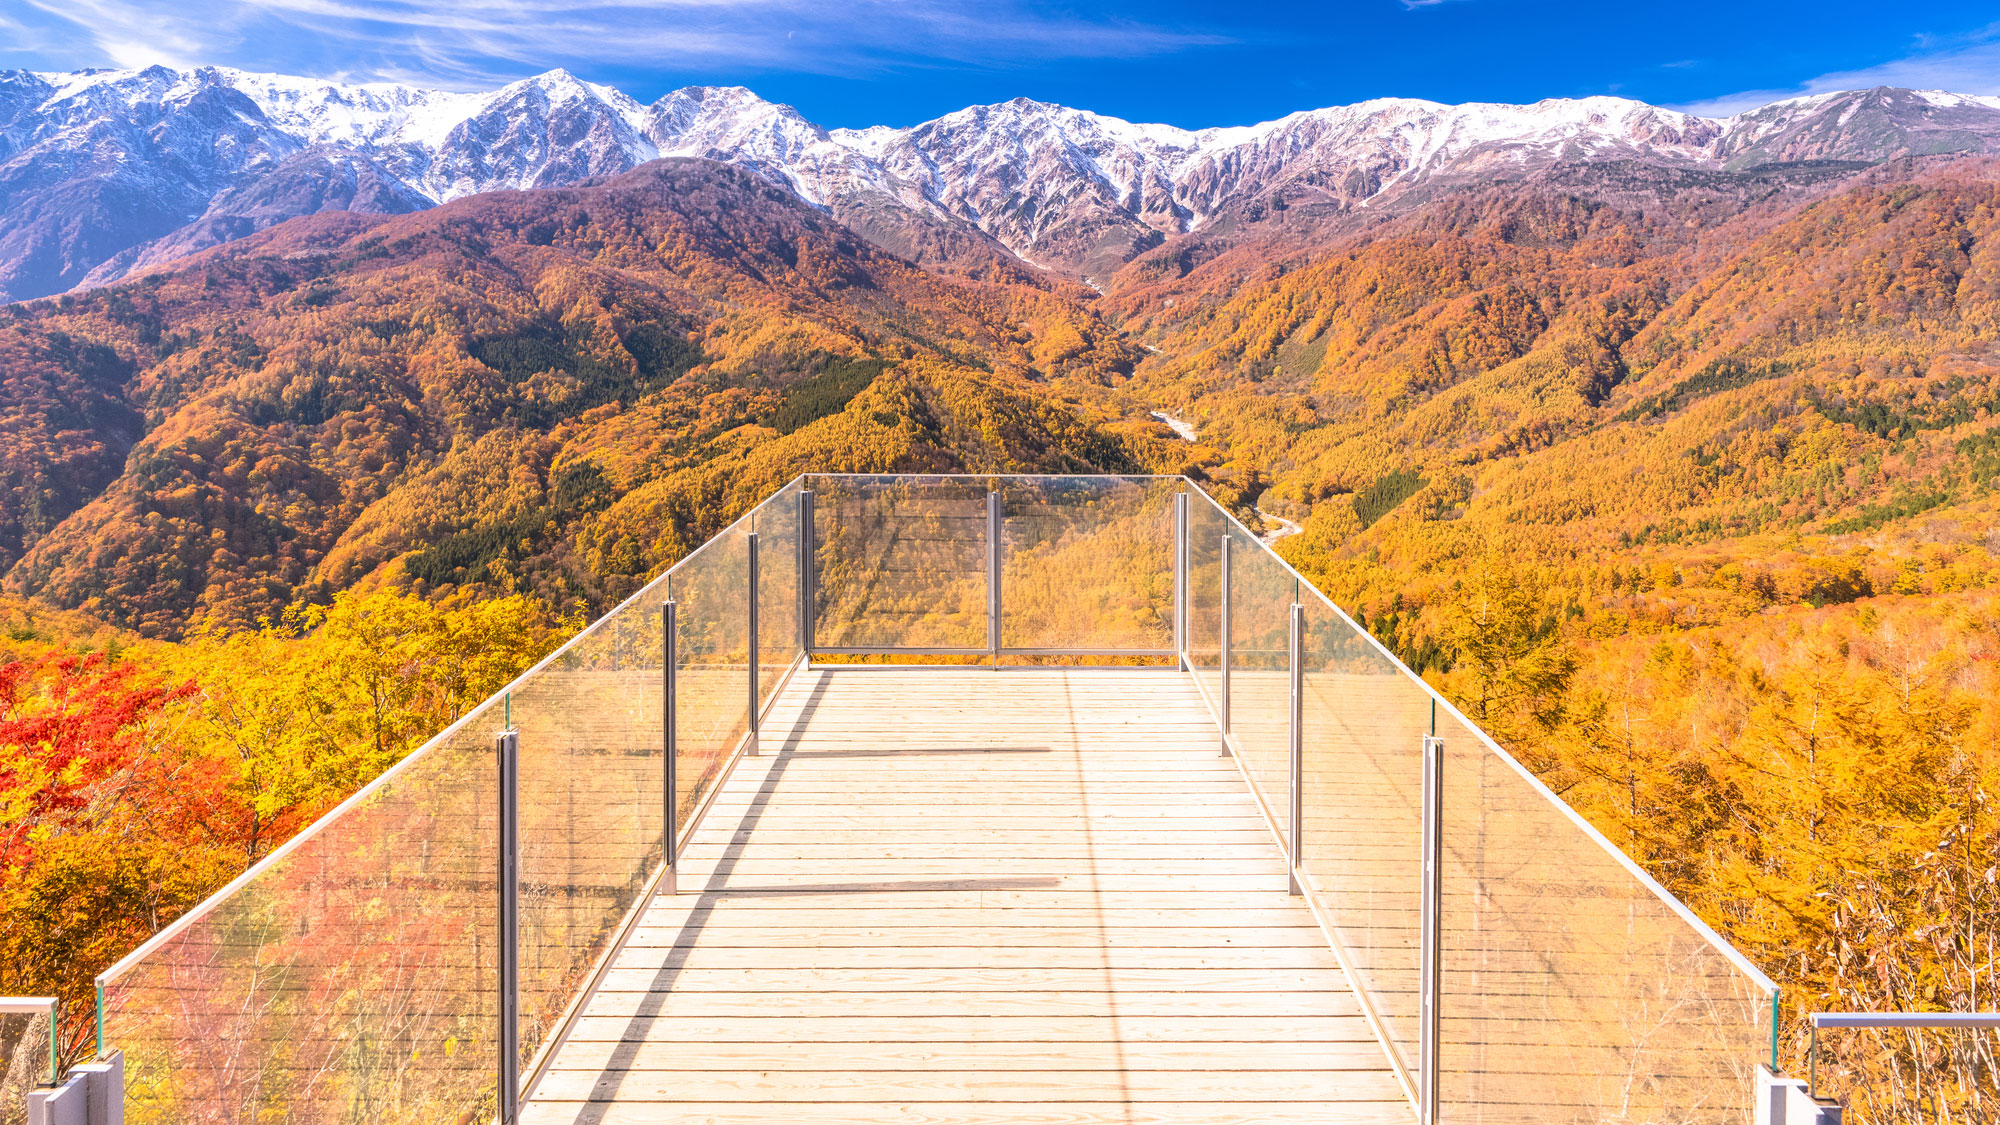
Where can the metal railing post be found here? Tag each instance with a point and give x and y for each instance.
(806, 558)
(1432, 930)
(507, 747)
(1180, 580)
(1298, 666)
(993, 575)
(669, 741)
(1812, 1063)
(751, 747)
(1224, 646)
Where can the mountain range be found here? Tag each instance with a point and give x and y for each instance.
(1667, 446)
(108, 172)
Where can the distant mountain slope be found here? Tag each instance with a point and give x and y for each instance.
(1590, 378)
(1668, 448)
(103, 172)
(1866, 125)
(551, 391)
(556, 390)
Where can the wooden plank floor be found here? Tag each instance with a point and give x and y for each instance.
(976, 896)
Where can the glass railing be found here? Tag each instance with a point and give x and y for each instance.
(1906, 1066)
(1361, 825)
(1087, 565)
(1573, 990)
(1569, 987)
(28, 1053)
(995, 566)
(1530, 973)
(354, 974)
(901, 565)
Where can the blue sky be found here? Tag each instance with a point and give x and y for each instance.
(896, 62)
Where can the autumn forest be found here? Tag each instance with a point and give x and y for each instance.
(1685, 485)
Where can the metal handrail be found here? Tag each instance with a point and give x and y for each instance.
(1906, 1019)
(675, 835)
(1929, 1021)
(1424, 1086)
(1667, 897)
(652, 589)
(35, 1006)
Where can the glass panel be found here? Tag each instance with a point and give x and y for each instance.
(24, 1062)
(1362, 838)
(712, 694)
(591, 784)
(1206, 527)
(901, 562)
(776, 522)
(1088, 563)
(1261, 592)
(353, 979)
(1571, 991)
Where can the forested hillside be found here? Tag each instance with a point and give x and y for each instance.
(1694, 507)
(274, 516)
(1681, 482)
(553, 392)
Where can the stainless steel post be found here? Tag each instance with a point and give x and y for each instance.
(808, 602)
(1812, 1063)
(993, 575)
(1432, 930)
(1298, 742)
(1222, 704)
(751, 541)
(669, 741)
(507, 748)
(1180, 580)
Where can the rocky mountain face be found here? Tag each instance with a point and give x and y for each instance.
(1865, 125)
(306, 183)
(106, 172)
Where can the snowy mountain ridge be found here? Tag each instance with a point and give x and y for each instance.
(103, 172)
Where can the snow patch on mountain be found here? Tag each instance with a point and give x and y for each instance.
(1079, 190)
(1946, 99)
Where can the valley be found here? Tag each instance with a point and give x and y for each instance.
(1666, 446)
(1278, 526)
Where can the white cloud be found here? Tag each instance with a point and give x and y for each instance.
(125, 34)
(466, 45)
(1963, 64)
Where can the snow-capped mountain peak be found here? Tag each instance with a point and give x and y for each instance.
(1078, 190)
(870, 142)
(355, 115)
(714, 121)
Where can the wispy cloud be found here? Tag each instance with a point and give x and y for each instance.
(1964, 64)
(123, 34)
(472, 45)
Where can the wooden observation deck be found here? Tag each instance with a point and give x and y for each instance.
(977, 896)
(695, 866)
